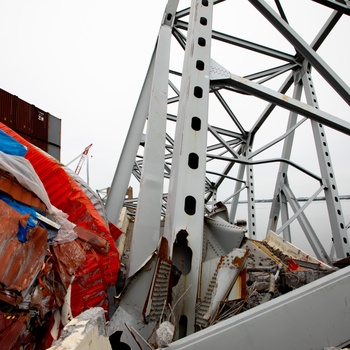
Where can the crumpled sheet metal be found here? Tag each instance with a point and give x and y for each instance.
(92, 258)
(19, 262)
(35, 276)
(97, 242)
(69, 257)
(18, 192)
(65, 194)
(15, 331)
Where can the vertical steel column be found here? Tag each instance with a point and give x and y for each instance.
(146, 233)
(310, 234)
(285, 214)
(282, 177)
(185, 211)
(120, 182)
(340, 236)
(251, 199)
(237, 190)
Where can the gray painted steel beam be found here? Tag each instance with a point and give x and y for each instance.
(304, 49)
(146, 233)
(228, 39)
(288, 103)
(120, 182)
(188, 163)
(316, 43)
(339, 233)
(252, 224)
(282, 177)
(186, 189)
(310, 234)
(338, 5)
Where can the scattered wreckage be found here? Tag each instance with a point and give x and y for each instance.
(58, 256)
(237, 274)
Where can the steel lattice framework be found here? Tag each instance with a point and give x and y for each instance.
(230, 112)
(214, 147)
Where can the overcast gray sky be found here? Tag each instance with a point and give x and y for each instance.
(83, 61)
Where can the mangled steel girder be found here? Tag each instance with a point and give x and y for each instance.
(313, 316)
(223, 279)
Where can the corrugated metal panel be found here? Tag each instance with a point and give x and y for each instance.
(38, 143)
(7, 105)
(23, 117)
(40, 124)
(23, 261)
(26, 137)
(35, 125)
(65, 194)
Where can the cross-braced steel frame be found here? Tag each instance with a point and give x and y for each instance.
(229, 112)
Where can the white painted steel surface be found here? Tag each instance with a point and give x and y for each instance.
(314, 316)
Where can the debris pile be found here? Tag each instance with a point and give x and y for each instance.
(237, 274)
(271, 272)
(57, 256)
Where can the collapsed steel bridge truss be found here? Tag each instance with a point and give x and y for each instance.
(239, 104)
(241, 111)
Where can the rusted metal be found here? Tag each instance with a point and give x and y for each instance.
(97, 242)
(40, 124)
(20, 262)
(35, 125)
(7, 108)
(35, 276)
(23, 117)
(15, 332)
(10, 185)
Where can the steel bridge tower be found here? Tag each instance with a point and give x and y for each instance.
(244, 100)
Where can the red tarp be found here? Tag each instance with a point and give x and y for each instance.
(100, 269)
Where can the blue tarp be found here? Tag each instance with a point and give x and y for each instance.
(22, 209)
(10, 146)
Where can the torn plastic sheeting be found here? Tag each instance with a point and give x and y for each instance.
(10, 146)
(25, 174)
(33, 218)
(66, 195)
(11, 186)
